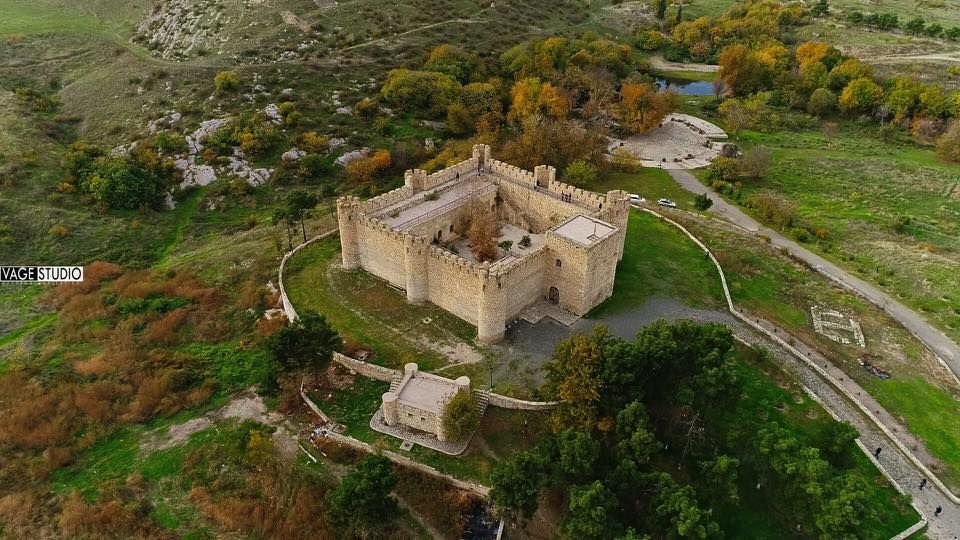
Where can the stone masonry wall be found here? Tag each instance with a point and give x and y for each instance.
(450, 173)
(381, 252)
(454, 284)
(366, 369)
(540, 210)
(571, 276)
(524, 282)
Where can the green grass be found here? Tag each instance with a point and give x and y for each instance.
(659, 260)
(370, 314)
(856, 187)
(767, 284)
(928, 411)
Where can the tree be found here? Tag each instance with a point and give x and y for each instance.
(482, 235)
(811, 52)
(426, 92)
(459, 119)
(226, 81)
(722, 169)
(741, 70)
(530, 98)
(861, 96)
(677, 508)
(299, 203)
(820, 9)
(581, 174)
(516, 484)
(642, 107)
(948, 145)
(117, 182)
(720, 474)
(573, 376)
(661, 9)
(460, 416)
(452, 61)
(915, 26)
(755, 162)
(636, 442)
(362, 501)
(578, 453)
(592, 513)
(822, 102)
(702, 202)
(306, 343)
(846, 71)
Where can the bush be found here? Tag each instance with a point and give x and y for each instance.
(755, 162)
(948, 145)
(460, 417)
(58, 231)
(306, 343)
(226, 81)
(362, 501)
(702, 202)
(822, 102)
(581, 174)
(722, 169)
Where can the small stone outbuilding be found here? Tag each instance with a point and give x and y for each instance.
(419, 401)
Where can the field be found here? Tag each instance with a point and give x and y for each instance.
(891, 211)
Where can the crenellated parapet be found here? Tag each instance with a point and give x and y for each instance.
(387, 199)
(577, 195)
(454, 172)
(512, 172)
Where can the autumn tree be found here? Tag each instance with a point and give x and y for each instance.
(741, 70)
(642, 107)
(482, 234)
(530, 98)
(426, 92)
(860, 96)
(948, 145)
(452, 61)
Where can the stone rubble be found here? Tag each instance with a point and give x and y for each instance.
(352, 156)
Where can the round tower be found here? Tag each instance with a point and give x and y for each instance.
(391, 414)
(491, 318)
(415, 268)
(348, 214)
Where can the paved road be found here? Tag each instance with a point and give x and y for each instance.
(934, 339)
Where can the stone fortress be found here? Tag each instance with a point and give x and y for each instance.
(414, 238)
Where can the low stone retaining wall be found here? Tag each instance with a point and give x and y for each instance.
(287, 305)
(507, 402)
(366, 369)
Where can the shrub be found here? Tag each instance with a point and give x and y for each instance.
(755, 162)
(722, 169)
(773, 209)
(460, 417)
(822, 102)
(306, 343)
(362, 501)
(58, 230)
(313, 142)
(581, 174)
(948, 145)
(226, 81)
(702, 202)
(525, 241)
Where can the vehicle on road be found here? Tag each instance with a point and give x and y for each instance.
(663, 201)
(636, 199)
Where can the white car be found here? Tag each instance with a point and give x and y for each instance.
(666, 202)
(636, 199)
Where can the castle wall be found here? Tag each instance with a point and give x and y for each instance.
(457, 217)
(416, 418)
(382, 252)
(601, 270)
(386, 199)
(592, 200)
(466, 167)
(540, 210)
(569, 278)
(454, 284)
(523, 282)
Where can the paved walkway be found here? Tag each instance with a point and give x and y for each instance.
(934, 339)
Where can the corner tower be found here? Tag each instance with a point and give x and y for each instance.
(348, 214)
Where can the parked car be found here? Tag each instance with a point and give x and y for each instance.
(666, 202)
(636, 199)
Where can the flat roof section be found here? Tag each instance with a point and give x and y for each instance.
(584, 230)
(427, 393)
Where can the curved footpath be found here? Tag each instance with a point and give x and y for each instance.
(942, 347)
(897, 462)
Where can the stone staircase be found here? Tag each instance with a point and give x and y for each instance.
(482, 398)
(395, 383)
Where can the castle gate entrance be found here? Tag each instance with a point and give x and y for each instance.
(554, 295)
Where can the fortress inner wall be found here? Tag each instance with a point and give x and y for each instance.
(458, 217)
(523, 282)
(539, 210)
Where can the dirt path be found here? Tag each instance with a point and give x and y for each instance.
(658, 62)
(247, 406)
(412, 31)
(898, 59)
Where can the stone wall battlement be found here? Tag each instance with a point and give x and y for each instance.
(376, 226)
(512, 172)
(581, 196)
(451, 259)
(533, 258)
(450, 173)
(386, 199)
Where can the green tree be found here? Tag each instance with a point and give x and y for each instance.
(226, 81)
(822, 102)
(581, 174)
(915, 26)
(661, 9)
(722, 169)
(820, 9)
(636, 442)
(574, 377)
(459, 119)
(426, 92)
(948, 145)
(362, 503)
(306, 343)
(592, 513)
(515, 484)
(720, 475)
(678, 509)
(452, 61)
(460, 416)
(117, 183)
(578, 453)
(861, 96)
(298, 205)
(702, 202)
